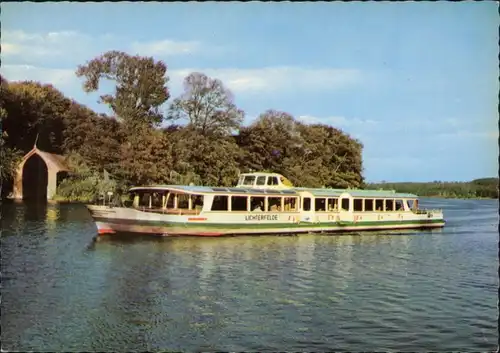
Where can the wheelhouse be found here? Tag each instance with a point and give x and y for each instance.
(263, 181)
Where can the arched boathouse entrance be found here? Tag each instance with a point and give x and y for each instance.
(38, 175)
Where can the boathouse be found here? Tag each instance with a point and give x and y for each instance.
(38, 175)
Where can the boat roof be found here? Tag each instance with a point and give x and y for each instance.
(217, 190)
(260, 174)
(356, 193)
(317, 192)
(381, 193)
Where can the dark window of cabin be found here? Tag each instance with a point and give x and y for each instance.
(220, 203)
(368, 205)
(379, 205)
(261, 180)
(274, 204)
(183, 201)
(333, 204)
(345, 204)
(389, 205)
(411, 204)
(197, 202)
(290, 204)
(249, 179)
(170, 200)
(320, 205)
(306, 204)
(144, 199)
(358, 205)
(239, 203)
(257, 203)
(399, 205)
(157, 199)
(272, 181)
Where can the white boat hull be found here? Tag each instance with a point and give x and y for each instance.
(116, 220)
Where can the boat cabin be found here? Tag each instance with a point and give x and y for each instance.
(193, 200)
(263, 181)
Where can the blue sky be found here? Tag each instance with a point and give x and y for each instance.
(417, 83)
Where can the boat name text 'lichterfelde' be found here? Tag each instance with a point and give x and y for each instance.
(263, 217)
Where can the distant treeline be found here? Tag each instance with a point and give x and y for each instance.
(198, 137)
(478, 188)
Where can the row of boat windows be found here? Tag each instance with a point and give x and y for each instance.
(268, 203)
(288, 204)
(261, 180)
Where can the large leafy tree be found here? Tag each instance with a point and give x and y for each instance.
(204, 160)
(309, 155)
(145, 156)
(140, 85)
(269, 140)
(207, 106)
(32, 110)
(328, 156)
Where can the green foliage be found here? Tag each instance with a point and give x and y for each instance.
(309, 155)
(9, 159)
(140, 85)
(213, 160)
(479, 188)
(85, 184)
(211, 149)
(207, 106)
(145, 156)
(33, 109)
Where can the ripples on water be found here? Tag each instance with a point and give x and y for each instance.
(419, 290)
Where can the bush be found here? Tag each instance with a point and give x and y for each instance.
(83, 184)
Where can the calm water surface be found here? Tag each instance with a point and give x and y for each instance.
(428, 290)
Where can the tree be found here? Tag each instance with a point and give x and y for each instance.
(207, 106)
(95, 137)
(33, 109)
(269, 140)
(84, 184)
(140, 85)
(205, 160)
(145, 157)
(9, 160)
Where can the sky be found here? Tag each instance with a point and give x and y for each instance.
(416, 83)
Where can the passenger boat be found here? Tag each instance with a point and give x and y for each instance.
(261, 203)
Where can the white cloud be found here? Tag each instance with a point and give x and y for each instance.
(61, 78)
(339, 121)
(49, 44)
(73, 48)
(277, 79)
(166, 47)
(77, 46)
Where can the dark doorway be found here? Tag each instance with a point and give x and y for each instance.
(35, 179)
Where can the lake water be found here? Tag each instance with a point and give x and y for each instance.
(417, 291)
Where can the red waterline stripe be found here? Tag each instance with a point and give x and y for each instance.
(208, 234)
(197, 219)
(105, 231)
